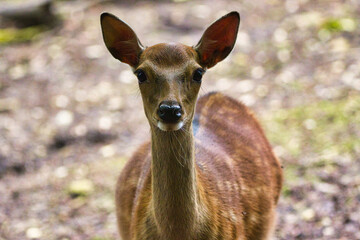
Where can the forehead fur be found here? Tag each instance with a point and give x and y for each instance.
(168, 54)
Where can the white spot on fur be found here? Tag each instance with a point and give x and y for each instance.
(170, 127)
(220, 185)
(232, 216)
(228, 186)
(236, 187)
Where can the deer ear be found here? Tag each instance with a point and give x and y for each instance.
(218, 40)
(120, 39)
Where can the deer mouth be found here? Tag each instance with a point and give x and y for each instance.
(170, 126)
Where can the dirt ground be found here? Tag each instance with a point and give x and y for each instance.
(71, 115)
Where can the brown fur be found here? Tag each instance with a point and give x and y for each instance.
(238, 177)
(214, 178)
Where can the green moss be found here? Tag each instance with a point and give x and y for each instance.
(332, 25)
(290, 173)
(339, 24)
(296, 86)
(80, 188)
(12, 35)
(326, 128)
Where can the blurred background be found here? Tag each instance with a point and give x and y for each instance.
(71, 115)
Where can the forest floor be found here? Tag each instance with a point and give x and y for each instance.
(71, 115)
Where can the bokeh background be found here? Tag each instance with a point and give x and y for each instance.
(71, 115)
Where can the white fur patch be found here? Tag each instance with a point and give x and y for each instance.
(170, 127)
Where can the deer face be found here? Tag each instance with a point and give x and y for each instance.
(170, 75)
(169, 78)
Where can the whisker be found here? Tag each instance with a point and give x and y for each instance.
(181, 147)
(173, 150)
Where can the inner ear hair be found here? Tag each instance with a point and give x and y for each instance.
(120, 39)
(218, 40)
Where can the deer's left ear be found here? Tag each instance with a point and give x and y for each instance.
(218, 40)
(120, 39)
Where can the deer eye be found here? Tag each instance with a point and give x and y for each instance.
(141, 76)
(198, 73)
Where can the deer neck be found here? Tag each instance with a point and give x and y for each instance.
(174, 187)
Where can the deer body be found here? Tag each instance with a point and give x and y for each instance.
(208, 171)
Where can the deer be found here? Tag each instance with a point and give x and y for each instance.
(208, 170)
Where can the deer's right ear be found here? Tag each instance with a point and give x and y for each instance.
(120, 39)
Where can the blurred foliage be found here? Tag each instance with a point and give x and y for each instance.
(80, 188)
(327, 128)
(339, 24)
(100, 238)
(70, 114)
(13, 35)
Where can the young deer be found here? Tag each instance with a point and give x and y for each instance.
(208, 171)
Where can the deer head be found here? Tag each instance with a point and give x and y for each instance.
(170, 75)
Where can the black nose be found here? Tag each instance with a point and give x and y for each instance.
(169, 111)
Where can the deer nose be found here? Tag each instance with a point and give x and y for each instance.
(169, 111)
